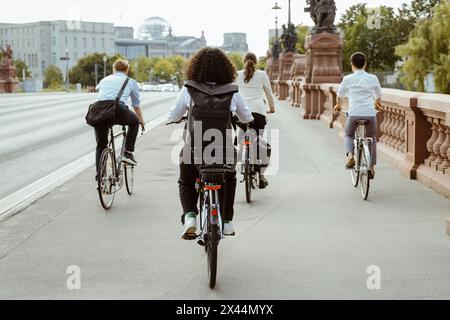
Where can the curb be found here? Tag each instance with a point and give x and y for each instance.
(20, 200)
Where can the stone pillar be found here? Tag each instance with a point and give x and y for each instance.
(324, 58)
(8, 78)
(285, 69)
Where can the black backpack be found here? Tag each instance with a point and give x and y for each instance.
(209, 115)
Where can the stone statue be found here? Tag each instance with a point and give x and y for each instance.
(7, 56)
(289, 38)
(323, 13)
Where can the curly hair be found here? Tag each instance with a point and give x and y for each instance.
(211, 65)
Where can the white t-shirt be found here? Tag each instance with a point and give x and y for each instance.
(255, 91)
(362, 89)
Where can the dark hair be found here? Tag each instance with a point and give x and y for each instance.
(359, 60)
(211, 65)
(250, 62)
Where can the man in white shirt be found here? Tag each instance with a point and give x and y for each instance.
(364, 94)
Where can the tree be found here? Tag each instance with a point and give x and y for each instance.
(53, 77)
(84, 71)
(377, 43)
(180, 65)
(164, 70)
(428, 51)
(236, 59)
(302, 33)
(21, 65)
(262, 62)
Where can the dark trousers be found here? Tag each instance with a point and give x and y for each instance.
(124, 117)
(189, 195)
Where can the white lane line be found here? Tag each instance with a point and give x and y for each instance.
(20, 200)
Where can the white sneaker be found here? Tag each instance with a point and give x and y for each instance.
(190, 227)
(228, 229)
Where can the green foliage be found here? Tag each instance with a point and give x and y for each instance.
(164, 70)
(428, 51)
(21, 65)
(156, 68)
(262, 62)
(84, 71)
(302, 33)
(237, 59)
(53, 77)
(377, 43)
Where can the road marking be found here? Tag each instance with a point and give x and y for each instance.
(20, 200)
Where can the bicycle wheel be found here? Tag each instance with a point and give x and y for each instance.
(355, 172)
(106, 179)
(248, 183)
(129, 178)
(211, 250)
(364, 173)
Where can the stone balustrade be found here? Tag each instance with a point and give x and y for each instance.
(413, 128)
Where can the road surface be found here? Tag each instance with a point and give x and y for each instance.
(40, 133)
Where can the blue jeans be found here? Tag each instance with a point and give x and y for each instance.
(371, 131)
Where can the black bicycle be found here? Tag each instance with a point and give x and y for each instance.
(249, 170)
(210, 184)
(113, 172)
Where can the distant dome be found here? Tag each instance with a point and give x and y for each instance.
(154, 28)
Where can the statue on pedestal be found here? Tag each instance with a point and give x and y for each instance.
(289, 37)
(323, 13)
(7, 59)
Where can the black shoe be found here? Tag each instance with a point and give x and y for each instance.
(263, 183)
(129, 159)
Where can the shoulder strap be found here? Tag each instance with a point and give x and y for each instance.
(119, 96)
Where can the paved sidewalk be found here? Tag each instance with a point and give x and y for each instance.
(308, 236)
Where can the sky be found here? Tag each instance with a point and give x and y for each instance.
(215, 17)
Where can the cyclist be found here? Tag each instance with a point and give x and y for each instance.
(364, 95)
(108, 89)
(209, 97)
(254, 85)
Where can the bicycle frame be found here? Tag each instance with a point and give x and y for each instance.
(112, 146)
(362, 142)
(211, 210)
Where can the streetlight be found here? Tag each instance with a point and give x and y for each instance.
(66, 58)
(276, 8)
(105, 59)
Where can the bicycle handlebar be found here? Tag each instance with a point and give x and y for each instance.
(183, 119)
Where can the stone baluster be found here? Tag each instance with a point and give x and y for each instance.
(439, 142)
(384, 124)
(389, 127)
(402, 147)
(431, 142)
(445, 147)
(398, 131)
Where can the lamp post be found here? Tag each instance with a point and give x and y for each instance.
(276, 44)
(66, 58)
(105, 59)
(96, 75)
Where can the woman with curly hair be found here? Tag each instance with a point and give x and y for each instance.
(210, 99)
(254, 86)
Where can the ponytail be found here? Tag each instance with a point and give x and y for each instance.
(250, 62)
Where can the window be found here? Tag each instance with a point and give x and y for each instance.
(54, 41)
(93, 42)
(84, 42)
(66, 40)
(103, 44)
(75, 41)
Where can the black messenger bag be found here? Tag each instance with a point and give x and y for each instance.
(103, 112)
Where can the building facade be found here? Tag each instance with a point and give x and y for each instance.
(44, 43)
(235, 42)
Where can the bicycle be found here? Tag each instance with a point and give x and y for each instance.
(211, 181)
(112, 172)
(360, 174)
(249, 169)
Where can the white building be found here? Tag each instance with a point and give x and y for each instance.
(44, 43)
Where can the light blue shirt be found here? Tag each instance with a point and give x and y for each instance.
(109, 87)
(362, 89)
